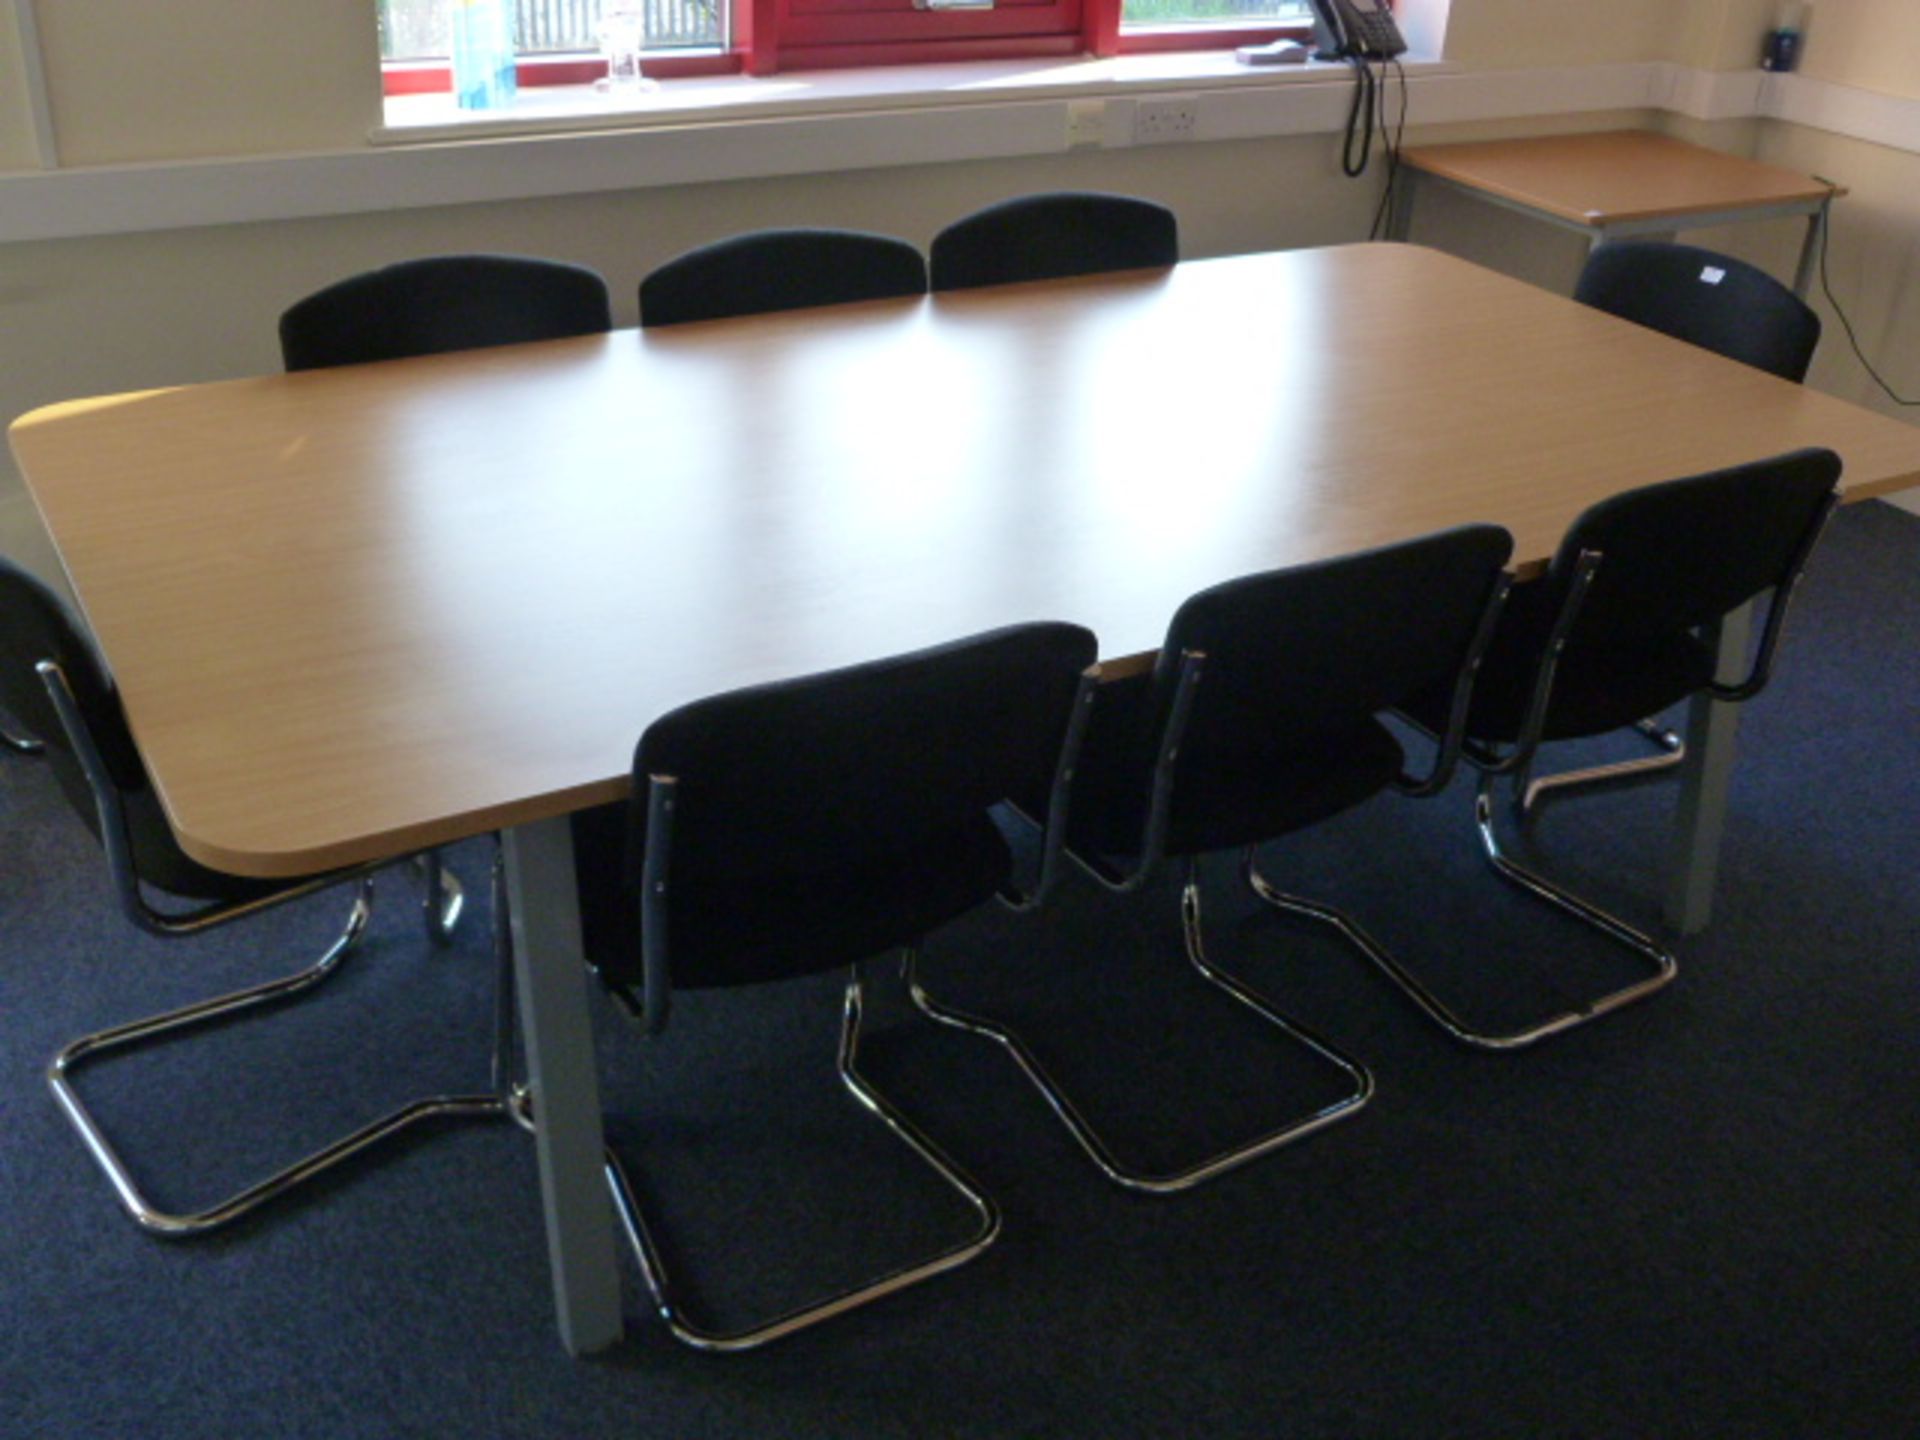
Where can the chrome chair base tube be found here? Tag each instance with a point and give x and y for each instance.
(1672, 749)
(653, 1266)
(20, 744)
(1614, 928)
(442, 897)
(1089, 1140)
(177, 1225)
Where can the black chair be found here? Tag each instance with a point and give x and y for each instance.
(442, 303)
(429, 307)
(767, 270)
(1720, 304)
(791, 828)
(1705, 298)
(1260, 718)
(51, 677)
(1046, 237)
(1613, 632)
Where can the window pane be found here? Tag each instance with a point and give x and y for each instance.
(419, 29)
(1212, 12)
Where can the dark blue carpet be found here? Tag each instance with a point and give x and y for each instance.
(1697, 1217)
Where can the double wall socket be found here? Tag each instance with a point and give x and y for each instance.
(1157, 122)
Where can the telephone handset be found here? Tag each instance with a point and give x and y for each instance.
(1364, 28)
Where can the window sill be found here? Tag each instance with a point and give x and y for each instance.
(818, 124)
(695, 100)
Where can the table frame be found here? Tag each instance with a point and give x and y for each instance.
(1595, 161)
(1599, 232)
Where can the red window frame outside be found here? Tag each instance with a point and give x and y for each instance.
(769, 37)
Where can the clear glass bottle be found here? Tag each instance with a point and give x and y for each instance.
(483, 57)
(623, 36)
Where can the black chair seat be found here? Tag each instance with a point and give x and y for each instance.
(1261, 717)
(1615, 632)
(801, 825)
(443, 303)
(1705, 298)
(1054, 235)
(745, 929)
(163, 864)
(1230, 797)
(1595, 689)
(770, 270)
(1665, 561)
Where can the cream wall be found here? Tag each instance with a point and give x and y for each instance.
(1504, 34)
(16, 124)
(1720, 34)
(1874, 44)
(208, 77)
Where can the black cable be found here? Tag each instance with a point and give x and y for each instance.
(1826, 288)
(1390, 143)
(1360, 111)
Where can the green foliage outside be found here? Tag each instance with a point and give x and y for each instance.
(1174, 12)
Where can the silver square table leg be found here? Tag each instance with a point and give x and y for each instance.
(551, 981)
(1693, 862)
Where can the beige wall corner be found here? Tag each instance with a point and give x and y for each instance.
(208, 77)
(17, 148)
(1721, 34)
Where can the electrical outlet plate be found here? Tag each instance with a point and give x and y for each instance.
(1086, 123)
(1169, 118)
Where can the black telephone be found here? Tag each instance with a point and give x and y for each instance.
(1343, 28)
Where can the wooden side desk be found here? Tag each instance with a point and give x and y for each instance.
(363, 610)
(1618, 184)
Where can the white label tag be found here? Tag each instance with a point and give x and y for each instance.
(1712, 274)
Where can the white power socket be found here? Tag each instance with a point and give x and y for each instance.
(1156, 122)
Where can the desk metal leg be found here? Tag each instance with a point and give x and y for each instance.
(550, 977)
(1694, 860)
(1809, 253)
(1400, 212)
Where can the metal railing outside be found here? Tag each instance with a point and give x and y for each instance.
(421, 29)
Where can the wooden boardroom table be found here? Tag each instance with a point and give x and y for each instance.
(355, 612)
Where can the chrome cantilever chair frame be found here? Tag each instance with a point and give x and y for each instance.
(1097, 1149)
(649, 1017)
(1516, 763)
(116, 841)
(1670, 752)
(19, 744)
(653, 1266)
(1494, 766)
(657, 985)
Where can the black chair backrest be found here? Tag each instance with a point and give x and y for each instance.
(1044, 237)
(443, 303)
(35, 625)
(769, 270)
(1683, 553)
(1707, 299)
(1312, 651)
(872, 768)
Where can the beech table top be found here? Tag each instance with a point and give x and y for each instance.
(364, 610)
(1617, 175)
